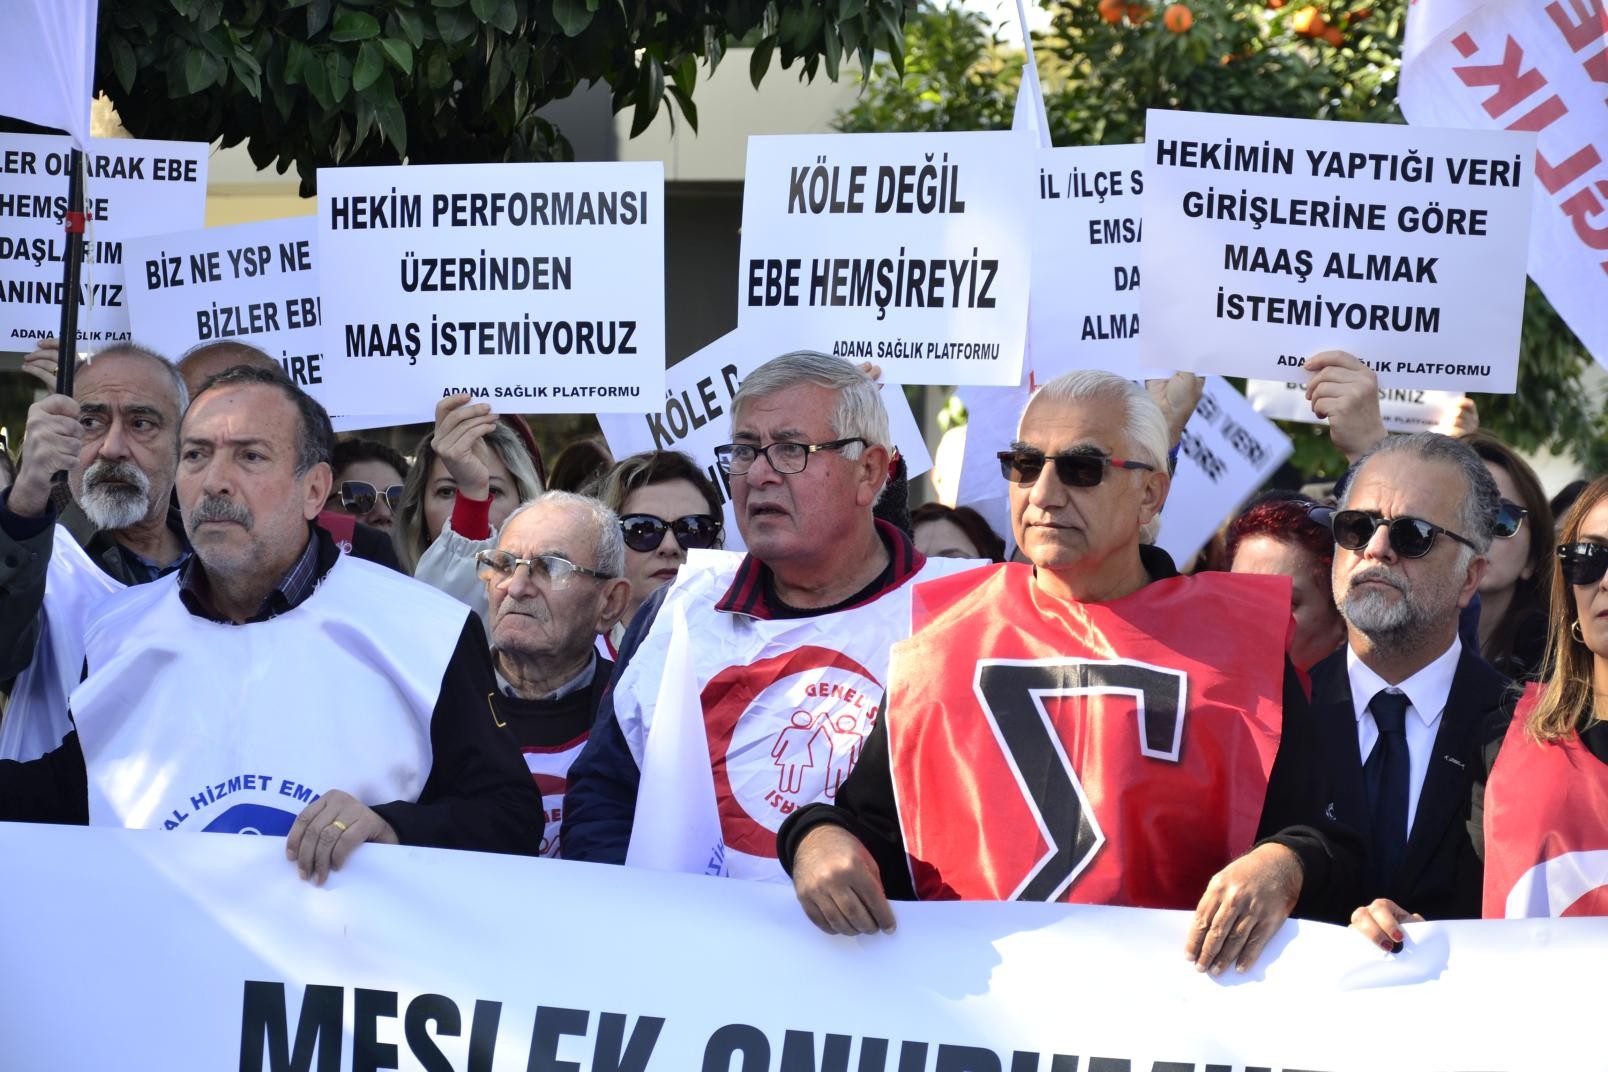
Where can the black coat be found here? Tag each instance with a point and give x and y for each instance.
(1441, 875)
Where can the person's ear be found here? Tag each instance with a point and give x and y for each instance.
(316, 485)
(616, 597)
(872, 470)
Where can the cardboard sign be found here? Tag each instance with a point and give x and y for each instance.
(696, 416)
(538, 288)
(1227, 453)
(1085, 296)
(1404, 409)
(131, 188)
(1272, 239)
(907, 250)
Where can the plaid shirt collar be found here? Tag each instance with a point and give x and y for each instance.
(293, 588)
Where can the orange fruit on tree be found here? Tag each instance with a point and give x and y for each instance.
(1138, 14)
(1334, 37)
(1275, 4)
(1111, 10)
(1307, 22)
(1178, 18)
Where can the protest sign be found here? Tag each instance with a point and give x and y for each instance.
(1227, 452)
(1085, 296)
(538, 288)
(131, 188)
(1273, 239)
(1404, 409)
(695, 416)
(1516, 65)
(991, 417)
(213, 954)
(907, 250)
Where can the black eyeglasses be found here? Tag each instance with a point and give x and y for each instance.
(359, 496)
(785, 457)
(1074, 470)
(1509, 519)
(1583, 563)
(645, 532)
(1410, 537)
(555, 569)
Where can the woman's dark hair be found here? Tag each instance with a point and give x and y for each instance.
(579, 464)
(1514, 643)
(351, 451)
(654, 467)
(969, 521)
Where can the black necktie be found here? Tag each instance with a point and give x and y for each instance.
(1385, 776)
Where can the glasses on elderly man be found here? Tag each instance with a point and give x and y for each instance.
(555, 570)
(1410, 537)
(359, 496)
(1083, 469)
(785, 457)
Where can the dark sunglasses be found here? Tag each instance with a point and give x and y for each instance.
(1074, 470)
(359, 496)
(645, 532)
(1509, 519)
(1583, 563)
(1410, 537)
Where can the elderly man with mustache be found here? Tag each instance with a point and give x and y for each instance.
(117, 439)
(273, 685)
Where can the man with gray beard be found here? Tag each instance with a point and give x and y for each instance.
(117, 439)
(1398, 709)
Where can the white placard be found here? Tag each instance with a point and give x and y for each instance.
(1540, 67)
(1087, 225)
(146, 950)
(992, 414)
(255, 283)
(1403, 409)
(1273, 239)
(131, 188)
(1227, 453)
(47, 63)
(696, 416)
(536, 287)
(907, 250)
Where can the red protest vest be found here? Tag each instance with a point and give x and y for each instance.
(1546, 826)
(1100, 753)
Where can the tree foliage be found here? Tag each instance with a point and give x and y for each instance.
(310, 83)
(1103, 64)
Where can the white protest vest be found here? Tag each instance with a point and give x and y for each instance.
(189, 724)
(786, 704)
(36, 720)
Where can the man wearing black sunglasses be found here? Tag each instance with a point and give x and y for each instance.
(1400, 706)
(1116, 727)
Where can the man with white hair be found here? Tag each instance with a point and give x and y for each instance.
(555, 581)
(1092, 728)
(117, 440)
(791, 641)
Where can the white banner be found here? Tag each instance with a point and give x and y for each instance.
(47, 63)
(992, 414)
(696, 416)
(1086, 230)
(907, 250)
(536, 287)
(1227, 453)
(1273, 239)
(1527, 65)
(254, 283)
(131, 188)
(177, 952)
(1404, 409)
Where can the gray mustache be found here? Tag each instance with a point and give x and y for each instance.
(1378, 573)
(218, 508)
(119, 472)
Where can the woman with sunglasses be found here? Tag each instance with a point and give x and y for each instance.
(368, 481)
(1513, 593)
(1277, 535)
(1542, 807)
(667, 506)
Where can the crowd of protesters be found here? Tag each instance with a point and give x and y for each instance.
(1384, 704)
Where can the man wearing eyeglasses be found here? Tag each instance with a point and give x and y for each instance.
(1400, 707)
(1093, 728)
(554, 583)
(789, 648)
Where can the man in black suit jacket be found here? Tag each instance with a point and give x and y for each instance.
(1399, 707)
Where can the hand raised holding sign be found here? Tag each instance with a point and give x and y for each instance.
(460, 440)
(1345, 392)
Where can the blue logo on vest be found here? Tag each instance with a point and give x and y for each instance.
(252, 819)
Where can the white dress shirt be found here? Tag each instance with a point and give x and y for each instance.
(1426, 693)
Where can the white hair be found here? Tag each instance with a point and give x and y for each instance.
(859, 413)
(609, 543)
